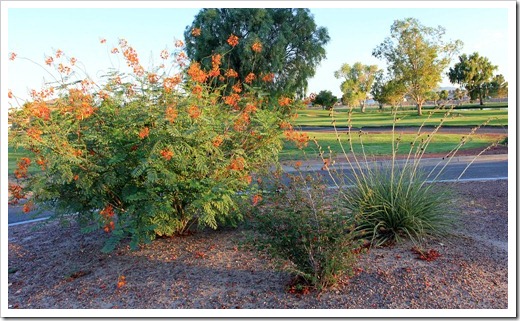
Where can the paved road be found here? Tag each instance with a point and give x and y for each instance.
(488, 167)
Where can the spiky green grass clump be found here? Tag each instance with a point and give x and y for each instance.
(390, 205)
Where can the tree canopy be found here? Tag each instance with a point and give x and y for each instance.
(387, 91)
(358, 80)
(416, 56)
(326, 99)
(281, 46)
(473, 73)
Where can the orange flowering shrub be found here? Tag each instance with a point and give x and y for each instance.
(145, 152)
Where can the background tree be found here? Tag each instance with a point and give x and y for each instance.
(497, 87)
(281, 47)
(326, 99)
(442, 96)
(387, 91)
(358, 80)
(416, 56)
(459, 94)
(472, 73)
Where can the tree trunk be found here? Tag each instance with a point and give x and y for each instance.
(419, 109)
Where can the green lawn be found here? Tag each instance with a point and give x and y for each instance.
(381, 144)
(375, 118)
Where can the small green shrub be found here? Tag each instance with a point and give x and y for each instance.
(301, 224)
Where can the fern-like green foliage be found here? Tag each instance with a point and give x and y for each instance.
(146, 154)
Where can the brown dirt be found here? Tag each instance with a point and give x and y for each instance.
(57, 267)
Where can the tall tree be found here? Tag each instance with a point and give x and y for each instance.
(358, 80)
(416, 56)
(472, 73)
(387, 91)
(281, 45)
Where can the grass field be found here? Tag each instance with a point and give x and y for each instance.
(381, 144)
(376, 118)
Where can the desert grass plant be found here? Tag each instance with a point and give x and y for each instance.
(141, 153)
(395, 199)
(301, 223)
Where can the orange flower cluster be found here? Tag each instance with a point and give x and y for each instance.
(230, 73)
(257, 47)
(42, 162)
(195, 32)
(121, 281)
(217, 141)
(64, 69)
(9, 94)
(247, 178)
(108, 213)
(182, 59)
(194, 112)
(77, 152)
(27, 207)
(256, 199)
(21, 171)
(40, 109)
(250, 108)
(59, 53)
(286, 125)
(197, 74)
(237, 87)
(237, 164)
(165, 54)
(170, 82)
(179, 43)
(167, 154)
(114, 50)
(81, 103)
(171, 114)
(73, 61)
(284, 101)
(103, 40)
(131, 58)
(215, 65)
(197, 91)
(268, 77)
(144, 133)
(250, 77)
(12, 56)
(232, 40)
(86, 84)
(16, 193)
(300, 139)
(241, 122)
(153, 78)
(34, 133)
(49, 61)
(232, 100)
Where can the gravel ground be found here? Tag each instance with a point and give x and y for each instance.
(55, 266)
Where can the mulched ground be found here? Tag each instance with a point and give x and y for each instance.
(57, 267)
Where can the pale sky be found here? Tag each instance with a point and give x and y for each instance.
(34, 31)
